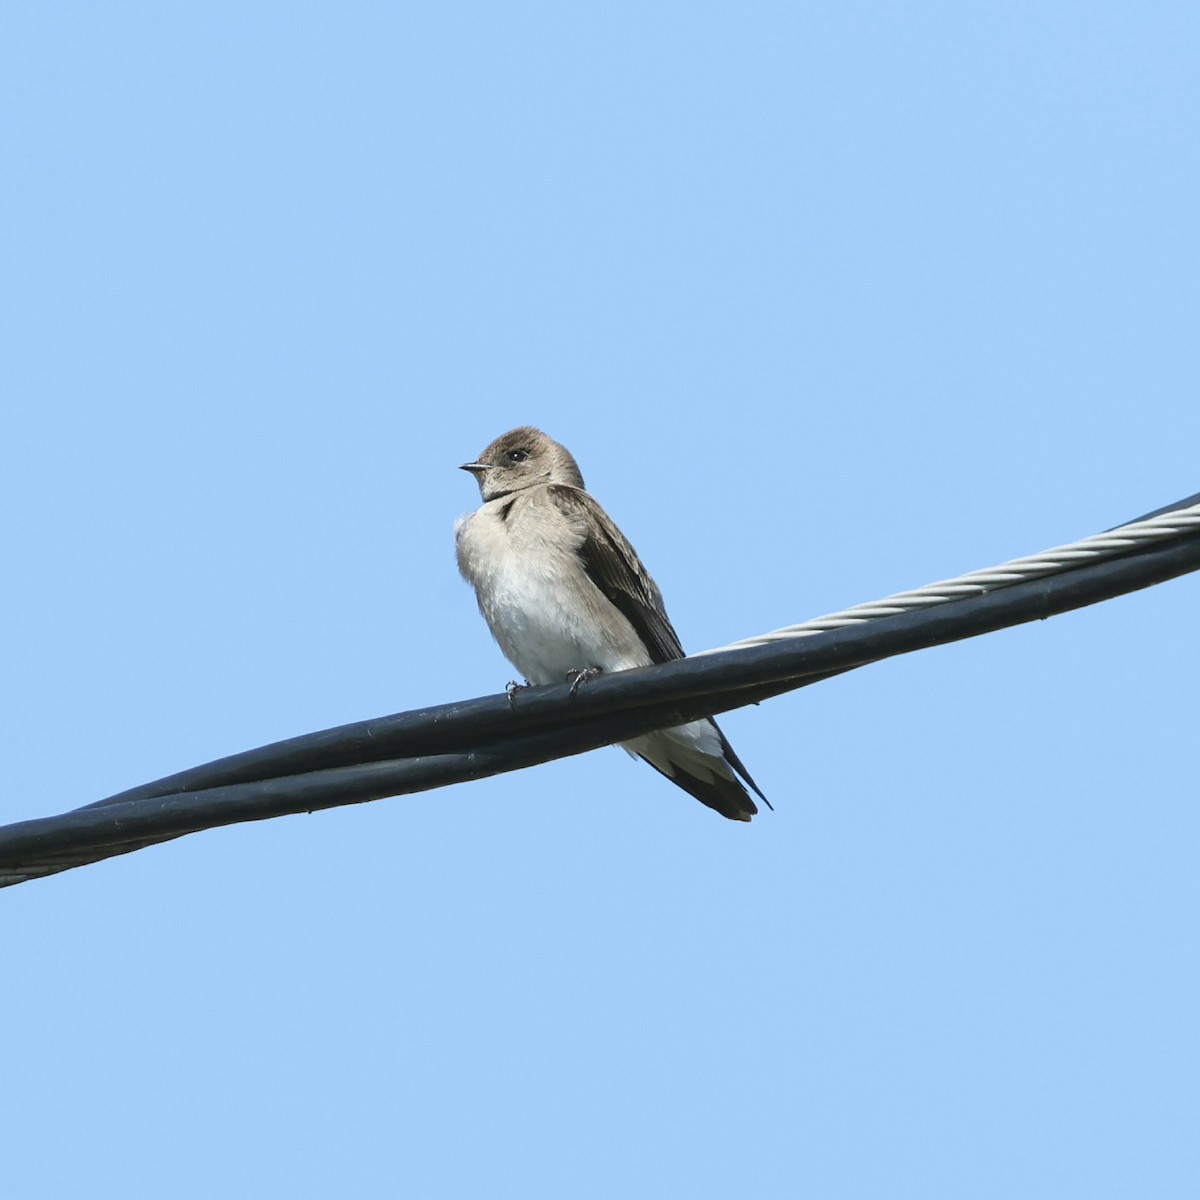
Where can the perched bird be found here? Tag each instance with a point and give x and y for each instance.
(565, 595)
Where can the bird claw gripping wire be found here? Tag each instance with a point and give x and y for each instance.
(580, 675)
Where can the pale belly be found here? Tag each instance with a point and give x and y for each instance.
(543, 610)
(548, 627)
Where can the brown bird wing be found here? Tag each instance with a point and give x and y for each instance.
(613, 566)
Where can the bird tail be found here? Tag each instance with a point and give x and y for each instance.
(698, 758)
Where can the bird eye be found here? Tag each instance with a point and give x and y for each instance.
(517, 456)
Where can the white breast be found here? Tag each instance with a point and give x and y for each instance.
(538, 601)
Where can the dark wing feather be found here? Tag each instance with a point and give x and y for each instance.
(613, 566)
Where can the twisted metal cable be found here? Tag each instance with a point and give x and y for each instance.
(1096, 548)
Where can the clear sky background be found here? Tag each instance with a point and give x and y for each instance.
(829, 301)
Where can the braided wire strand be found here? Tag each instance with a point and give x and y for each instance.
(1096, 548)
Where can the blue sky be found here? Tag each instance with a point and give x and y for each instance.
(829, 301)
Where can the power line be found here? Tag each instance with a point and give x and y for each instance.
(432, 747)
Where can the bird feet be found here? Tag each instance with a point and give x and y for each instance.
(581, 675)
(513, 688)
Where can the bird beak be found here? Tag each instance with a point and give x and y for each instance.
(474, 468)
